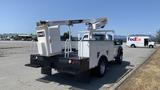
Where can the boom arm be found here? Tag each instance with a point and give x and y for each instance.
(92, 24)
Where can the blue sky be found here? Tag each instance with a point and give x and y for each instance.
(124, 16)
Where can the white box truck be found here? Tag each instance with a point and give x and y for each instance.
(95, 48)
(140, 41)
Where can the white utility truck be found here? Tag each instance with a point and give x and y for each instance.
(95, 48)
(140, 41)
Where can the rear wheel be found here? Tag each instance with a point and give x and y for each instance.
(47, 70)
(101, 68)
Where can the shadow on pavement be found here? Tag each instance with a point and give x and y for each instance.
(113, 74)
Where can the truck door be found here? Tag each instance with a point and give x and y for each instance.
(146, 42)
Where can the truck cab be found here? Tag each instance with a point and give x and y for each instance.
(97, 44)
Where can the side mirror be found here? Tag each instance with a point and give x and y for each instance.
(118, 42)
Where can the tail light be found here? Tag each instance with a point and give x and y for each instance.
(74, 61)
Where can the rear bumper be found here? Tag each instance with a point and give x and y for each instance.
(60, 64)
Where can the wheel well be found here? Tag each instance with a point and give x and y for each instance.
(151, 46)
(132, 44)
(103, 57)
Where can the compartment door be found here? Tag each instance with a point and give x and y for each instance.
(54, 40)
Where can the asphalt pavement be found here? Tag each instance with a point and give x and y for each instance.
(14, 75)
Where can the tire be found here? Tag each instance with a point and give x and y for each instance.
(101, 68)
(133, 46)
(46, 70)
(119, 57)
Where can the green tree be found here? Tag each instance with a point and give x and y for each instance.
(158, 36)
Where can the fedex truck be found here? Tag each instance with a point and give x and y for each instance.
(140, 41)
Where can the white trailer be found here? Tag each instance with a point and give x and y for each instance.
(95, 48)
(140, 41)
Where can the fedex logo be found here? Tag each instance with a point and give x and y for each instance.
(134, 39)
